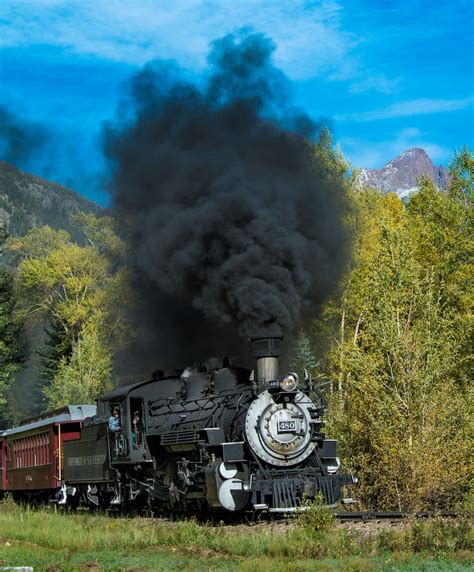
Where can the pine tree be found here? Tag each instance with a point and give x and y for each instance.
(57, 345)
(303, 356)
(10, 352)
(461, 171)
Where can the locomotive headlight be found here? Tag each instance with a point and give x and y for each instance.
(289, 382)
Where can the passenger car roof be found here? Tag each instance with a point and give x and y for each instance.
(68, 413)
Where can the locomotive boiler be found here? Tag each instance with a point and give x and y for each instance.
(232, 439)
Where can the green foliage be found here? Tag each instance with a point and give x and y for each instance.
(101, 233)
(303, 356)
(461, 184)
(38, 242)
(52, 350)
(329, 158)
(10, 352)
(85, 374)
(10, 356)
(79, 293)
(9, 505)
(314, 518)
(402, 404)
(76, 542)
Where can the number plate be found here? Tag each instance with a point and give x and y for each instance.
(286, 426)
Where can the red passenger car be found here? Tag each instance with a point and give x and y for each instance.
(32, 454)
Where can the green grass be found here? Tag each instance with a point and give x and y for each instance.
(54, 541)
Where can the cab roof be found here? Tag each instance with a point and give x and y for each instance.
(124, 391)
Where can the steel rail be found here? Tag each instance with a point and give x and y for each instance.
(394, 516)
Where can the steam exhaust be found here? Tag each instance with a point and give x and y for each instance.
(234, 222)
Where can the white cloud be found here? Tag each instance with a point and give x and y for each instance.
(408, 133)
(421, 106)
(308, 36)
(378, 83)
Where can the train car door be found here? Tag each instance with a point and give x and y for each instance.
(137, 429)
(118, 432)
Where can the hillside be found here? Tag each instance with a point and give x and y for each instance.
(401, 174)
(27, 200)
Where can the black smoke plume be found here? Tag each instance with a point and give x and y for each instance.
(235, 225)
(20, 139)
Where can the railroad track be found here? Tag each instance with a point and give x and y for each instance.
(343, 516)
(393, 516)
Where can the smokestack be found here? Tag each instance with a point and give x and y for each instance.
(266, 350)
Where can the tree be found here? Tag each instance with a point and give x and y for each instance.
(401, 406)
(10, 352)
(461, 171)
(84, 375)
(303, 357)
(101, 233)
(51, 350)
(80, 295)
(330, 158)
(441, 228)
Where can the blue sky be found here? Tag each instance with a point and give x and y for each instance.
(387, 75)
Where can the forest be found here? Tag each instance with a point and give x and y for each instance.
(393, 345)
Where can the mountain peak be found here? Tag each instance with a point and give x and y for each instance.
(410, 154)
(401, 174)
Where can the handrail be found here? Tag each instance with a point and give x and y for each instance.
(60, 456)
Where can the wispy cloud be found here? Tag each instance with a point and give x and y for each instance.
(309, 37)
(421, 106)
(378, 83)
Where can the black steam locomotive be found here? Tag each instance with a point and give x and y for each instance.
(228, 439)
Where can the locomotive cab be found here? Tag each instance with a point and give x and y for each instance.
(112, 451)
(126, 439)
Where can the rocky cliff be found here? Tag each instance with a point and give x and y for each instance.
(401, 174)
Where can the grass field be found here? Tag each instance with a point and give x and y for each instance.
(54, 542)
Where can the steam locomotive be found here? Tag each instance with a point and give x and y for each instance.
(231, 439)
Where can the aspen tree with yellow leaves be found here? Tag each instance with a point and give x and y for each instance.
(81, 293)
(400, 362)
